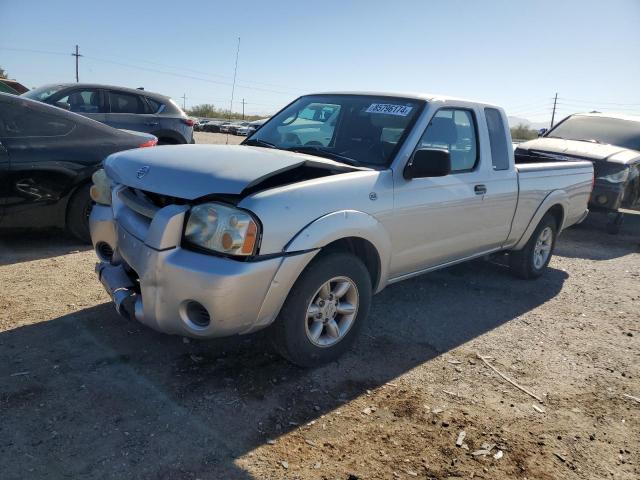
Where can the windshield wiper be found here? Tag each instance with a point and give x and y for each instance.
(590, 140)
(323, 153)
(259, 143)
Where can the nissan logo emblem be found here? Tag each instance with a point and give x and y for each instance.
(142, 171)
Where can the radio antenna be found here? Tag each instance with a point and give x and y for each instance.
(233, 88)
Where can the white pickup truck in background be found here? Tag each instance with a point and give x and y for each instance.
(335, 197)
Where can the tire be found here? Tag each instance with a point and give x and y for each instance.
(615, 223)
(295, 334)
(78, 211)
(527, 263)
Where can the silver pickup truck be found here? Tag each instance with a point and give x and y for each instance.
(334, 198)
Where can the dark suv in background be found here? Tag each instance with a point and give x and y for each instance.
(124, 108)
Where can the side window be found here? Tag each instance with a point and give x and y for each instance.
(497, 139)
(454, 130)
(126, 103)
(20, 122)
(83, 101)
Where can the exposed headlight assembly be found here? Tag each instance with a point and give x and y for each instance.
(617, 177)
(100, 191)
(221, 228)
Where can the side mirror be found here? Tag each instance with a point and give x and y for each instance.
(63, 105)
(428, 163)
(542, 131)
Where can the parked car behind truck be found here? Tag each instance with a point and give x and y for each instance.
(47, 157)
(296, 228)
(119, 107)
(611, 142)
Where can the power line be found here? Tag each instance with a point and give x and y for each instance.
(164, 72)
(574, 100)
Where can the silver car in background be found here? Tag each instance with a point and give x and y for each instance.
(124, 108)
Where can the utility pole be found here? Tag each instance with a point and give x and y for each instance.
(243, 108)
(184, 101)
(77, 55)
(553, 115)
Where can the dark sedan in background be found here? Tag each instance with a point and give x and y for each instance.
(47, 157)
(612, 143)
(120, 107)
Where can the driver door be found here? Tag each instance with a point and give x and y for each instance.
(440, 219)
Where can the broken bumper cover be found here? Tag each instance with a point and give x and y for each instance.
(179, 291)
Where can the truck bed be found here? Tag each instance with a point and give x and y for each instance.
(538, 180)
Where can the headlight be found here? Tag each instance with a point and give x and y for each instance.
(221, 228)
(617, 177)
(101, 189)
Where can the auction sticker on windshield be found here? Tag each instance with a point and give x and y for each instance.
(389, 109)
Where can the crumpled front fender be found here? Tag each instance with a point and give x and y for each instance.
(345, 224)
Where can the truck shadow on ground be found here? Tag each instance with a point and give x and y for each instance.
(18, 246)
(92, 395)
(590, 239)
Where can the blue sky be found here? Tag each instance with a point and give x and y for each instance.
(513, 53)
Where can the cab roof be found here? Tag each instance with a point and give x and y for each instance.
(429, 97)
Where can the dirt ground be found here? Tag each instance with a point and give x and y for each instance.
(86, 394)
(217, 138)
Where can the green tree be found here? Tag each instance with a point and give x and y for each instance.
(204, 110)
(522, 132)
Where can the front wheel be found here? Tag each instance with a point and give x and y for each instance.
(531, 261)
(324, 310)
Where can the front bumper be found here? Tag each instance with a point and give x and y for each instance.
(178, 291)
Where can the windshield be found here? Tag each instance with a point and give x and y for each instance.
(356, 129)
(612, 131)
(43, 93)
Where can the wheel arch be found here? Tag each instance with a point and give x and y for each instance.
(353, 231)
(557, 204)
(170, 135)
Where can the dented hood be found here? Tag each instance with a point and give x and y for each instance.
(193, 171)
(586, 150)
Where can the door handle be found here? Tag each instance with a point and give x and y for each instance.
(480, 189)
(152, 124)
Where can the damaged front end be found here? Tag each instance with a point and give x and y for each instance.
(616, 186)
(616, 183)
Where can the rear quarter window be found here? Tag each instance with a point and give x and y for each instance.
(154, 106)
(497, 139)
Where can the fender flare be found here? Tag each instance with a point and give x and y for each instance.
(169, 134)
(346, 224)
(555, 197)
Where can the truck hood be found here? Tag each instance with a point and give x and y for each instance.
(585, 150)
(193, 171)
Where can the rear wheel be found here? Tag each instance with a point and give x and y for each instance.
(78, 212)
(531, 261)
(324, 310)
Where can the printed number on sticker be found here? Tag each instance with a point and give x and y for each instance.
(389, 109)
